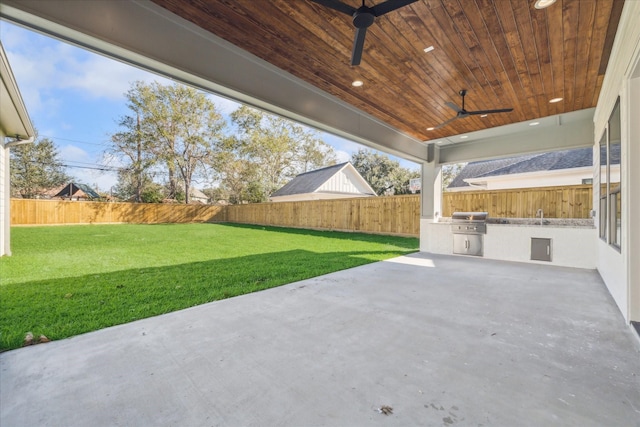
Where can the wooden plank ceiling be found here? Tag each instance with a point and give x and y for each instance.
(505, 53)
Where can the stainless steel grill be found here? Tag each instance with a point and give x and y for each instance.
(468, 229)
(469, 222)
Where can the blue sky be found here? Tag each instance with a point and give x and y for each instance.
(75, 97)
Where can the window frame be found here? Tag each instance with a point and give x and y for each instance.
(603, 192)
(610, 194)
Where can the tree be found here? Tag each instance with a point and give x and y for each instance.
(266, 152)
(36, 168)
(175, 127)
(385, 176)
(132, 188)
(449, 173)
(236, 174)
(134, 147)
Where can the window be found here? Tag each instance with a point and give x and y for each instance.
(603, 187)
(613, 177)
(587, 181)
(610, 208)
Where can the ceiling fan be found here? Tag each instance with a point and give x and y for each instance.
(363, 17)
(461, 113)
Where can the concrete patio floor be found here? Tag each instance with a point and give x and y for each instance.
(442, 340)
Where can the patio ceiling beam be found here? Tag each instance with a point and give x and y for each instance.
(570, 130)
(142, 34)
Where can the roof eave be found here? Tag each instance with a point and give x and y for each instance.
(15, 121)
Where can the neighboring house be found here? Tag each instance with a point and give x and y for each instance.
(197, 196)
(556, 168)
(73, 191)
(333, 182)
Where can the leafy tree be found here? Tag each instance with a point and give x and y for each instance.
(134, 147)
(130, 188)
(216, 194)
(36, 168)
(152, 194)
(266, 152)
(400, 179)
(174, 126)
(449, 173)
(385, 176)
(237, 174)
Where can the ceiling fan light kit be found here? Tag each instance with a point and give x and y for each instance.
(363, 18)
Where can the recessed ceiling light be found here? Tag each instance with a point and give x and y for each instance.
(439, 142)
(357, 83)
(554, 100)
(484, 115)
(534, 124)
(430, 128)
(428, 49)
(464, 137)
(541, 4)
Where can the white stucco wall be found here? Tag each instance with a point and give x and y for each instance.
(532, 180)
(618, 268)
(571, 246)
(5, 243)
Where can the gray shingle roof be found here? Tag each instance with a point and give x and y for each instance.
(308, 182)
(555, 160)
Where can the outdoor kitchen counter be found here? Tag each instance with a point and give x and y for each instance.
(533, 222)
(572, 241)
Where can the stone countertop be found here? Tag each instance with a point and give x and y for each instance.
(532, 222)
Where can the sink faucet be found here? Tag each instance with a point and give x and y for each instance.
(541, 213)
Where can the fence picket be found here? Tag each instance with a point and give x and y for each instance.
(398, 215)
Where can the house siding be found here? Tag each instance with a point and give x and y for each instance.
(620, 274)
(343, 182)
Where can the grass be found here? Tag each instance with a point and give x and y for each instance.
(64, 281)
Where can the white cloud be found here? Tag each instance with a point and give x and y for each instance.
(72, 153)
(98, 180)
(100, 77)
(342, 156)
(43, 65)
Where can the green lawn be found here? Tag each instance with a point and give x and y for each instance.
(64, 281)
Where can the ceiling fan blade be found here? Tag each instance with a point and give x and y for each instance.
(390, 6)
(453, 106)
(441, 125)
(502, 110)
(358, 45)
(337, 5)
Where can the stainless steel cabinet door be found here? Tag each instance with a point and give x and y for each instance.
(467, 244)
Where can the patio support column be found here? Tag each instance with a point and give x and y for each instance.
(431, 192)
(430, 197)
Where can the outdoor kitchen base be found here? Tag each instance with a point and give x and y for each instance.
(468, 229)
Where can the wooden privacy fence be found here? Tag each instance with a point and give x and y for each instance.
(55, 212)
(387, 215)
(556, 202)
(398, 215)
